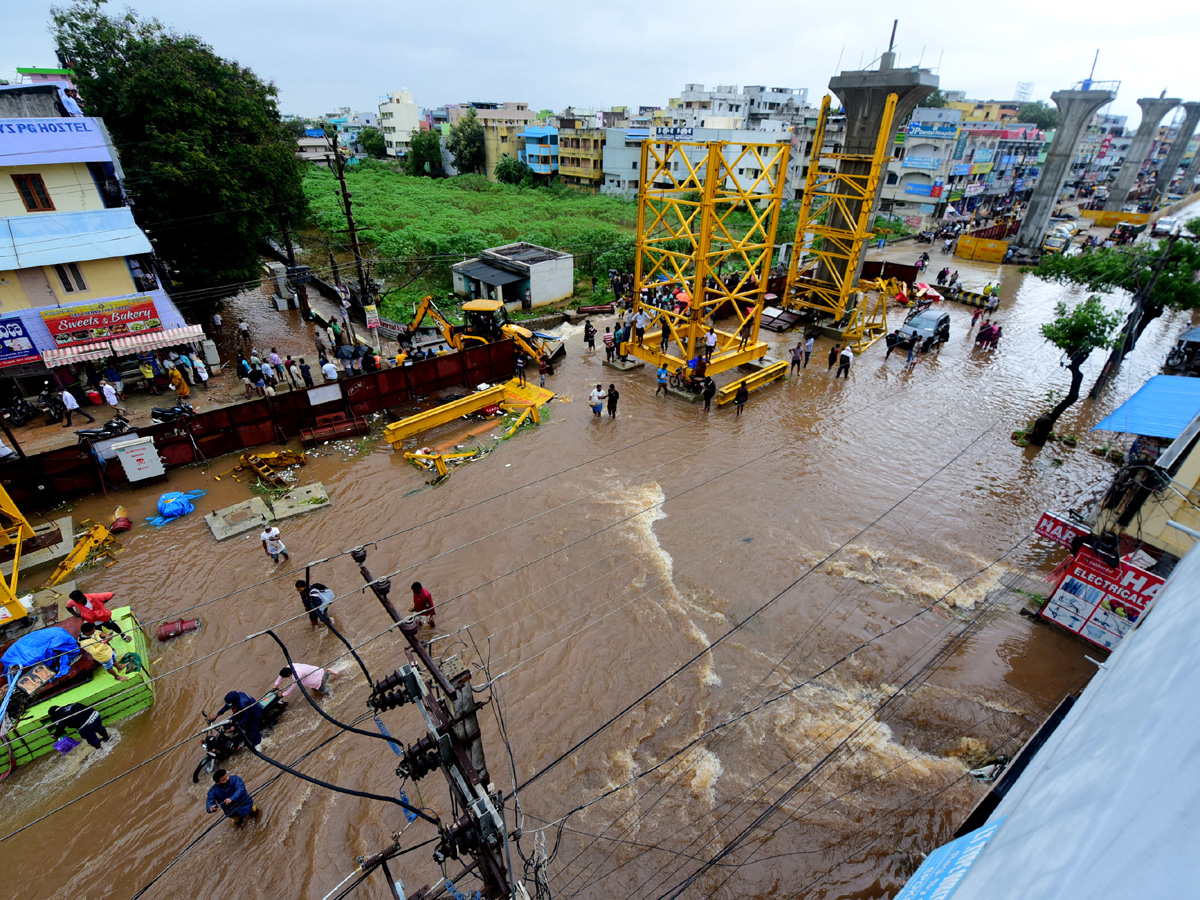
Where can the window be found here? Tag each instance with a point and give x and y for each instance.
(33, 192)
(70, 277)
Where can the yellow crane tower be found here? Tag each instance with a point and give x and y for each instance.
(831, 233)
(703, 206)
(14, 531)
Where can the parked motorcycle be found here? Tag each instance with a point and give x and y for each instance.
(222, 741)
(925, 237)
(19, 412)
(161, 414)
(115, 426)
(51, 403)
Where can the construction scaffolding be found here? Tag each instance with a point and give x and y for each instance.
(831, 233)
(699, 213)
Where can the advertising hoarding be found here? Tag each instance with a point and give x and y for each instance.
(97, 321)
(16, 346)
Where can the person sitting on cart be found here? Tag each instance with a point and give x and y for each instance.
(247, 715)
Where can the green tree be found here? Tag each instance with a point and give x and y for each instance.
(372, 142)
(465, 143)
(1076, 332)
(424, 154)
(512, 171)
(210, 165)
(936, 100)
(1039, 113)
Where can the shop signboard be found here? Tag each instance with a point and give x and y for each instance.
(16, 346)
(672, 134)
(973, 190)
(932, 130)
(980, 168)
(913, 221)
(1100, 603)
(946, 866)
(961, 169)
(983, 155)
(938, 184)
(927, 209)
(1058, 529)
(960, 146)
(921, 162)
(372, 313)
(924, 190)
(97, 321)
(1019, 184)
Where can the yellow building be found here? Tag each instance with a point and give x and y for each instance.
(581, 157)
(76, 271)
(499, 140)
(986, 110)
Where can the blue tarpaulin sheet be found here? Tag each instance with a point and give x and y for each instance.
(54, 646)
(1162, 407)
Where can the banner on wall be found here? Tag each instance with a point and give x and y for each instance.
(97, 321)
(16, 346)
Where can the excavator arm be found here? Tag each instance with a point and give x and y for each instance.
(428, 308)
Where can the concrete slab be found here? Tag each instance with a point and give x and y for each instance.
(625, 366)
(686, 396)
(231, 521)
(304, 499)
(50, 554)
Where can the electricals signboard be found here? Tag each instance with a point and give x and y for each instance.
(1100, 603)
(97, 321)
(16, 346)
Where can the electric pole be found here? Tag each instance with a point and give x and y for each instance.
(477, 838)
(363, 288)
(1136, 322)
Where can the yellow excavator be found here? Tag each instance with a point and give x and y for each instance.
(486, 321)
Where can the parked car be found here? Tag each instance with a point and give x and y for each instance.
(930, 326)
(1163, 226)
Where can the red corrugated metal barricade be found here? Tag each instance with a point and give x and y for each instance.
(46, 479)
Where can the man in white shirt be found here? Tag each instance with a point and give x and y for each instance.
(596, 399)
(710, 343)
(72, 405)
(110, 397)
(330, 371)
(844, 360)
(808, 349)
(216, 320)
(273, 543)
(313, 678)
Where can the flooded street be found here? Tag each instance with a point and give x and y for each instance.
(810, 558)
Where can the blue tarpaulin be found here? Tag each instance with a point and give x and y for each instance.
(1162, 407)
(53, 646)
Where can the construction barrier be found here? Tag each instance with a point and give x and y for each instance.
(982, 249)
(753, 381)
(1104, 218)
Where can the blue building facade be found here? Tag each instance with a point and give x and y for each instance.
(540, 149)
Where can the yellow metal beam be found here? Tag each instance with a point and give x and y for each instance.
(753, 382)
(96, 536)
(14, 531)
(440, 415)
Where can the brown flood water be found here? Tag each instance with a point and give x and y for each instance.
(614, 552)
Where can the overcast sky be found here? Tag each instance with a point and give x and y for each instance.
(324, 55)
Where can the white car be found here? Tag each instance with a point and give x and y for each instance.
(1164, 226)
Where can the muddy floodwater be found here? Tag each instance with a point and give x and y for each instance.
(583, 563)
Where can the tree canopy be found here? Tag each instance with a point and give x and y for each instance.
(424, 154)
(1039, 113)
(936, 100)
(465, 143)
(1132, 268)
(372, 142)
(513, 171)
(208, 163)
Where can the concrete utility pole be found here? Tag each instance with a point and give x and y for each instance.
(1136, 321)
(301, 289)
(454, 744)
(1153, 110)
(364, 288)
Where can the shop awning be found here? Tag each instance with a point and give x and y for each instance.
(122, 346)
(136, 343)
(1162, 407)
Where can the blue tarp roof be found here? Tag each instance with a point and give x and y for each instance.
(1162, 407)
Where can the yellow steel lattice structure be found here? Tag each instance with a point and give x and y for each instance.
(14, 531)
(701, 208)
(832, 231)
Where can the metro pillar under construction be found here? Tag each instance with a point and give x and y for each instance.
(1183, 137)
(864, 96)
(1075, 110)
(1153, 110)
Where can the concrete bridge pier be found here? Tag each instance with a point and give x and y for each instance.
(1153, 110)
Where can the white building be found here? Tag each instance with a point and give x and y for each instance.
(917, 178)
(399, 117)
(623, 153)
(723, 107)
(523, 275)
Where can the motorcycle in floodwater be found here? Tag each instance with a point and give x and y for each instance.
(681, 380)
(223, 741)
